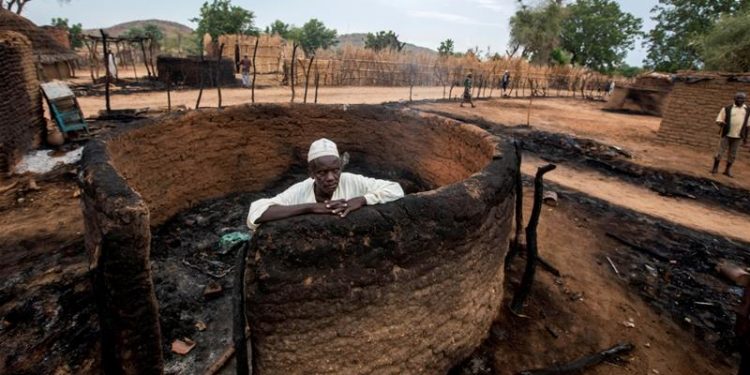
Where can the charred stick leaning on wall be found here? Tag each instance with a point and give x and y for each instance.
(531, 241)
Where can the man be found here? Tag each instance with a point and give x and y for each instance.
(468, 83)
(505, 82)
(328, 191)
(733, 123)
(245, 65)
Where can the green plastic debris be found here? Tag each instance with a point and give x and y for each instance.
(230, 239)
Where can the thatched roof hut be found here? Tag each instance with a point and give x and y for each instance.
(46, 49)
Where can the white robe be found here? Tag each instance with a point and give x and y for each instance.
(350, 186)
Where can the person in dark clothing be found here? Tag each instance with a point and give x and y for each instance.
(468, 83)
(505, 82)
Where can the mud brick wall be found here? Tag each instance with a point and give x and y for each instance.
(118, 241)
(21, 113)
(690, 114)
(407, 287)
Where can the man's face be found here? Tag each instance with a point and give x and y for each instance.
(326, 172)
(739, 100)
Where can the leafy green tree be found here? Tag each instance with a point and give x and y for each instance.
(446, 48)
(313, 35)
(535, 30)
(74, 32)
(278, 27)
(626, 70)
(726, 47)
(560, 56)
(383, 40)
(148, 31)
(220, 17)
(154, 32)
(598, 34)
(674, 42)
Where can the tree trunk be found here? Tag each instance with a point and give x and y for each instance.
(292, 74)
(145, 59)
(307, 76)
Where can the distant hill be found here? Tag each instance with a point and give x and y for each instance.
(178, 38)
(358, 40)
(169, 28)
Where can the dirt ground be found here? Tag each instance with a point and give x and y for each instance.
(635, 133)
(586, 310)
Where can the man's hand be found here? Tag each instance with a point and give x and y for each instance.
(353, 205)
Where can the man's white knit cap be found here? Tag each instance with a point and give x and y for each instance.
(322, 147)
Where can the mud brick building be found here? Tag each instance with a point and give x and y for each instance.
(692, 107)
(55, 60)
(21, 114)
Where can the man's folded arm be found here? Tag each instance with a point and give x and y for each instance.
(379, 191)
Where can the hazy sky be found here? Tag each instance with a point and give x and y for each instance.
(469, 23)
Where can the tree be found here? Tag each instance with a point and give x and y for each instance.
(446, 48)
(153, 32)
(74, 32)
(726, 47)
(560, 56)
(313, 35)
(535, 31)
(628, 71)
(598, 34)
(383, 40)
(673, 44)
(278, 27)
(221, 17)
(150, 31)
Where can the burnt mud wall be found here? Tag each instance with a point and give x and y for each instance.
(191, 71)
(203, 155)
(117, 238)
(692, 107)
(21, 115)
(407, 287)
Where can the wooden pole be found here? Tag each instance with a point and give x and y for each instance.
(239, 318)
(218, 72)
(106, 66)
(169, 94)
(519, 298)
(255, 70)
(202, 73)
(515, 245)
(317, 81)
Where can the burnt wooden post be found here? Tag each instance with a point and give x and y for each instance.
(317, 83)
(532, 252)
(201, 71)
(255, 71)
(515, 245)
(106, 66)
(292, 73)
(218, 72)
(169, 94)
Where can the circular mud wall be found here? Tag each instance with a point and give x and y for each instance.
(406, 287)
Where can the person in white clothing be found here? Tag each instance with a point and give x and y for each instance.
(328, 191)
